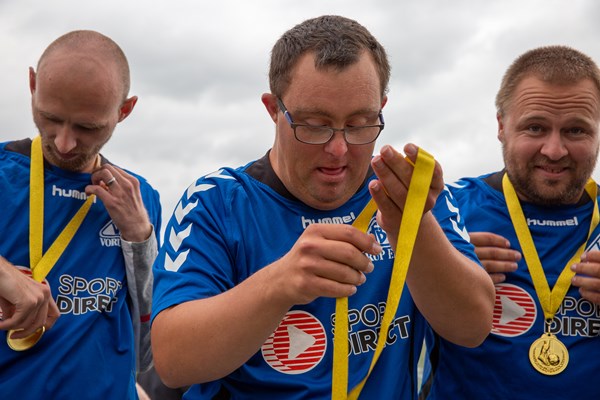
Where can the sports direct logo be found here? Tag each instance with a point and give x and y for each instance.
(514, 311)
(297, 345)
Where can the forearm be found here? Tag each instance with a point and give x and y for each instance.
(138, 264)
(206, 339)
(454, 294)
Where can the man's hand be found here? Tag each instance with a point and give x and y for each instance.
(587, 277)
(495, 254)
(25, 303)
(120, 193)
(390, 190)
(327, 260)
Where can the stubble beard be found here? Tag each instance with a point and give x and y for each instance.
(547, 192)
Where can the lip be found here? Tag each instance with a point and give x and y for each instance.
(67, 156)
(332, 170)
(332, 174)
(552, 171)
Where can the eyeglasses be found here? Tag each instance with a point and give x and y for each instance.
(314, 134)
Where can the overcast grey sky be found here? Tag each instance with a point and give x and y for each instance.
(200, 67)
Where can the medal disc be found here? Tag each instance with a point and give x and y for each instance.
(548, 355)
(26, 342)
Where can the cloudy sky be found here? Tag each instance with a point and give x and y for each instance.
(200, 67)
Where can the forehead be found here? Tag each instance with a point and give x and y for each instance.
(355, 83)
(77, 83)
(578, 98)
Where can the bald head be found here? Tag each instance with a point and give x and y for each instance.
(84, 47)
(78, 96)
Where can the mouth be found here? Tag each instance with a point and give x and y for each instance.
(553, 170)
(331, 171)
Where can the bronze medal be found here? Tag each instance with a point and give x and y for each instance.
(548, 355)
(24, 343)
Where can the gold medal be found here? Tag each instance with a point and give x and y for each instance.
(548, 355)
(24, 343)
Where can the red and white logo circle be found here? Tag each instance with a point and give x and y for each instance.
(297, 345)
(514, 311)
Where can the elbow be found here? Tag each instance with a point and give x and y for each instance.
(478, 335)
(476, 331)
(166, 375)
(164, 367)
(480, 321)
(477, 321)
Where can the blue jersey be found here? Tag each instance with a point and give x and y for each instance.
(227, 226)
(89, 353)
(500, 367)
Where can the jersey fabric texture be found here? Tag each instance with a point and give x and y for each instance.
(227, 226)
(500, 367)
(89, 352)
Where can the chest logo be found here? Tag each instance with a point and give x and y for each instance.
(514, 311)
(297, 345)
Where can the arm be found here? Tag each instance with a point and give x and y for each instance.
(25, 303)
(203, 340)
(453, 293)
(123, 201)
(138, 264)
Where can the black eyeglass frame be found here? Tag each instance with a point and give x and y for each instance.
(346, 130)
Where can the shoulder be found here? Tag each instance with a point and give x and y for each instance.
(467, 187)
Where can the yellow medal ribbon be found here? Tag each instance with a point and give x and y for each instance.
(42, 264)
(549, 300)
(409, 226)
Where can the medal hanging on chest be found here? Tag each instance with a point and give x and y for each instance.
(41, 264)
(547, 354)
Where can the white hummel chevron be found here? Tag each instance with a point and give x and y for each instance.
(462, 232)
(181, 212)
(174, 265)
(193, 188)
(218, 174)
(176, 238)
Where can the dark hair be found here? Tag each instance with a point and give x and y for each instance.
(552, 64)
(336, 41)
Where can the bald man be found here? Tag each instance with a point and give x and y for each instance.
(81, 226)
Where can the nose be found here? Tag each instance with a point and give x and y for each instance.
(65, 139)
(337, 145)
(554, 147)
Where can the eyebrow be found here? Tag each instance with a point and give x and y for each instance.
(321, 113)
(87, 125)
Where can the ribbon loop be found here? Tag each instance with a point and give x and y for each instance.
(409, 225)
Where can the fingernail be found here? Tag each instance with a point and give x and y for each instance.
(363, 278)
(411, 150)
(374, 186)
(377, 162)
(370, 268)
(376, 248)
(386, 151)
(584, 257)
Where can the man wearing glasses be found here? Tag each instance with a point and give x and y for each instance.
(247, 281)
